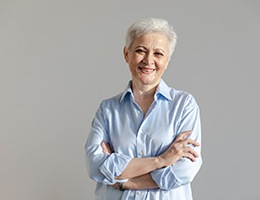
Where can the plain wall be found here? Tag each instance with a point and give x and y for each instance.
(60, 58)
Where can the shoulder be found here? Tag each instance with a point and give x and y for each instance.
(183, 97)
(111, 102)
(180, 94)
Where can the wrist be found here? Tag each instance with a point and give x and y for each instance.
(159, 162)
(129, 185)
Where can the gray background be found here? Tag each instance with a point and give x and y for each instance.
(60, 58)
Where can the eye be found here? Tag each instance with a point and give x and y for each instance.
(140, 51)
(159, 54)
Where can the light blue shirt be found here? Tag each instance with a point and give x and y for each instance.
(120, 122)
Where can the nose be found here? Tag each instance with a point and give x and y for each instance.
(149, 59)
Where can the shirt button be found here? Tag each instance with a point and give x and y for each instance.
(140, 153)
(138, 193)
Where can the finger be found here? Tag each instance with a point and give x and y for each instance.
(103, 144)
(184, 135)
(191, 152)
(192, 155)
(193, 142)
(105, 148)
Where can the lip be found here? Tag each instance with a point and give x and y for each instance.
(146, 70)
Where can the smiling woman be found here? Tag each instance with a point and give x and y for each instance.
(146, 141)
(148, 58)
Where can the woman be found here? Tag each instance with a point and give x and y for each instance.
(145, 142)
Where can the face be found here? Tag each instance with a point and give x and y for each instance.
(148, 58)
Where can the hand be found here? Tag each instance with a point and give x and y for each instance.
(180, 149)
(116, 186)
(106, 148)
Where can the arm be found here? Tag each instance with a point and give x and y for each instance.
(140, 183)
(95, 156)
(183, 171)
(141, 166)
(179, 149)
(136, 169)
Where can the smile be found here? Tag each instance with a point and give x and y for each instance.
(146, 70)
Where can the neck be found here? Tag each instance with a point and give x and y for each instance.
(143, 95)
(143, 92)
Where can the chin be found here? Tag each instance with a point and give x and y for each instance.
(150, 81)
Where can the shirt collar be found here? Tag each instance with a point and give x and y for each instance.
(162, 90)
(127, 91)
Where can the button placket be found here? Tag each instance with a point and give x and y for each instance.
(139, 148)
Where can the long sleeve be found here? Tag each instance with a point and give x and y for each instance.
(184, 170)
(101, 167)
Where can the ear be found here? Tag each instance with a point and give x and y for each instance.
(126, 54)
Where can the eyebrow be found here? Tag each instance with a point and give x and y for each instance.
(146, 48)
(140, 46)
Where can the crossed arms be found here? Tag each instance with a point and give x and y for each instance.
(138, 169)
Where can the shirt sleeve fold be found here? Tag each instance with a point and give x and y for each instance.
(181, 173)
(113, 166)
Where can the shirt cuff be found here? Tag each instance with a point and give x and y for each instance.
(113, 166)
(165, 178)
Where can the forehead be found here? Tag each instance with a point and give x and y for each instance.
(152, 40)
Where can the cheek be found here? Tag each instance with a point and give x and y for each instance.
(135, 60)
(162, 65)
(138, 58)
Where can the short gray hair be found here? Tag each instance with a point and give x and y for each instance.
(151, 25)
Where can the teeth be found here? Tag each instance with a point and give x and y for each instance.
(147, 70)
